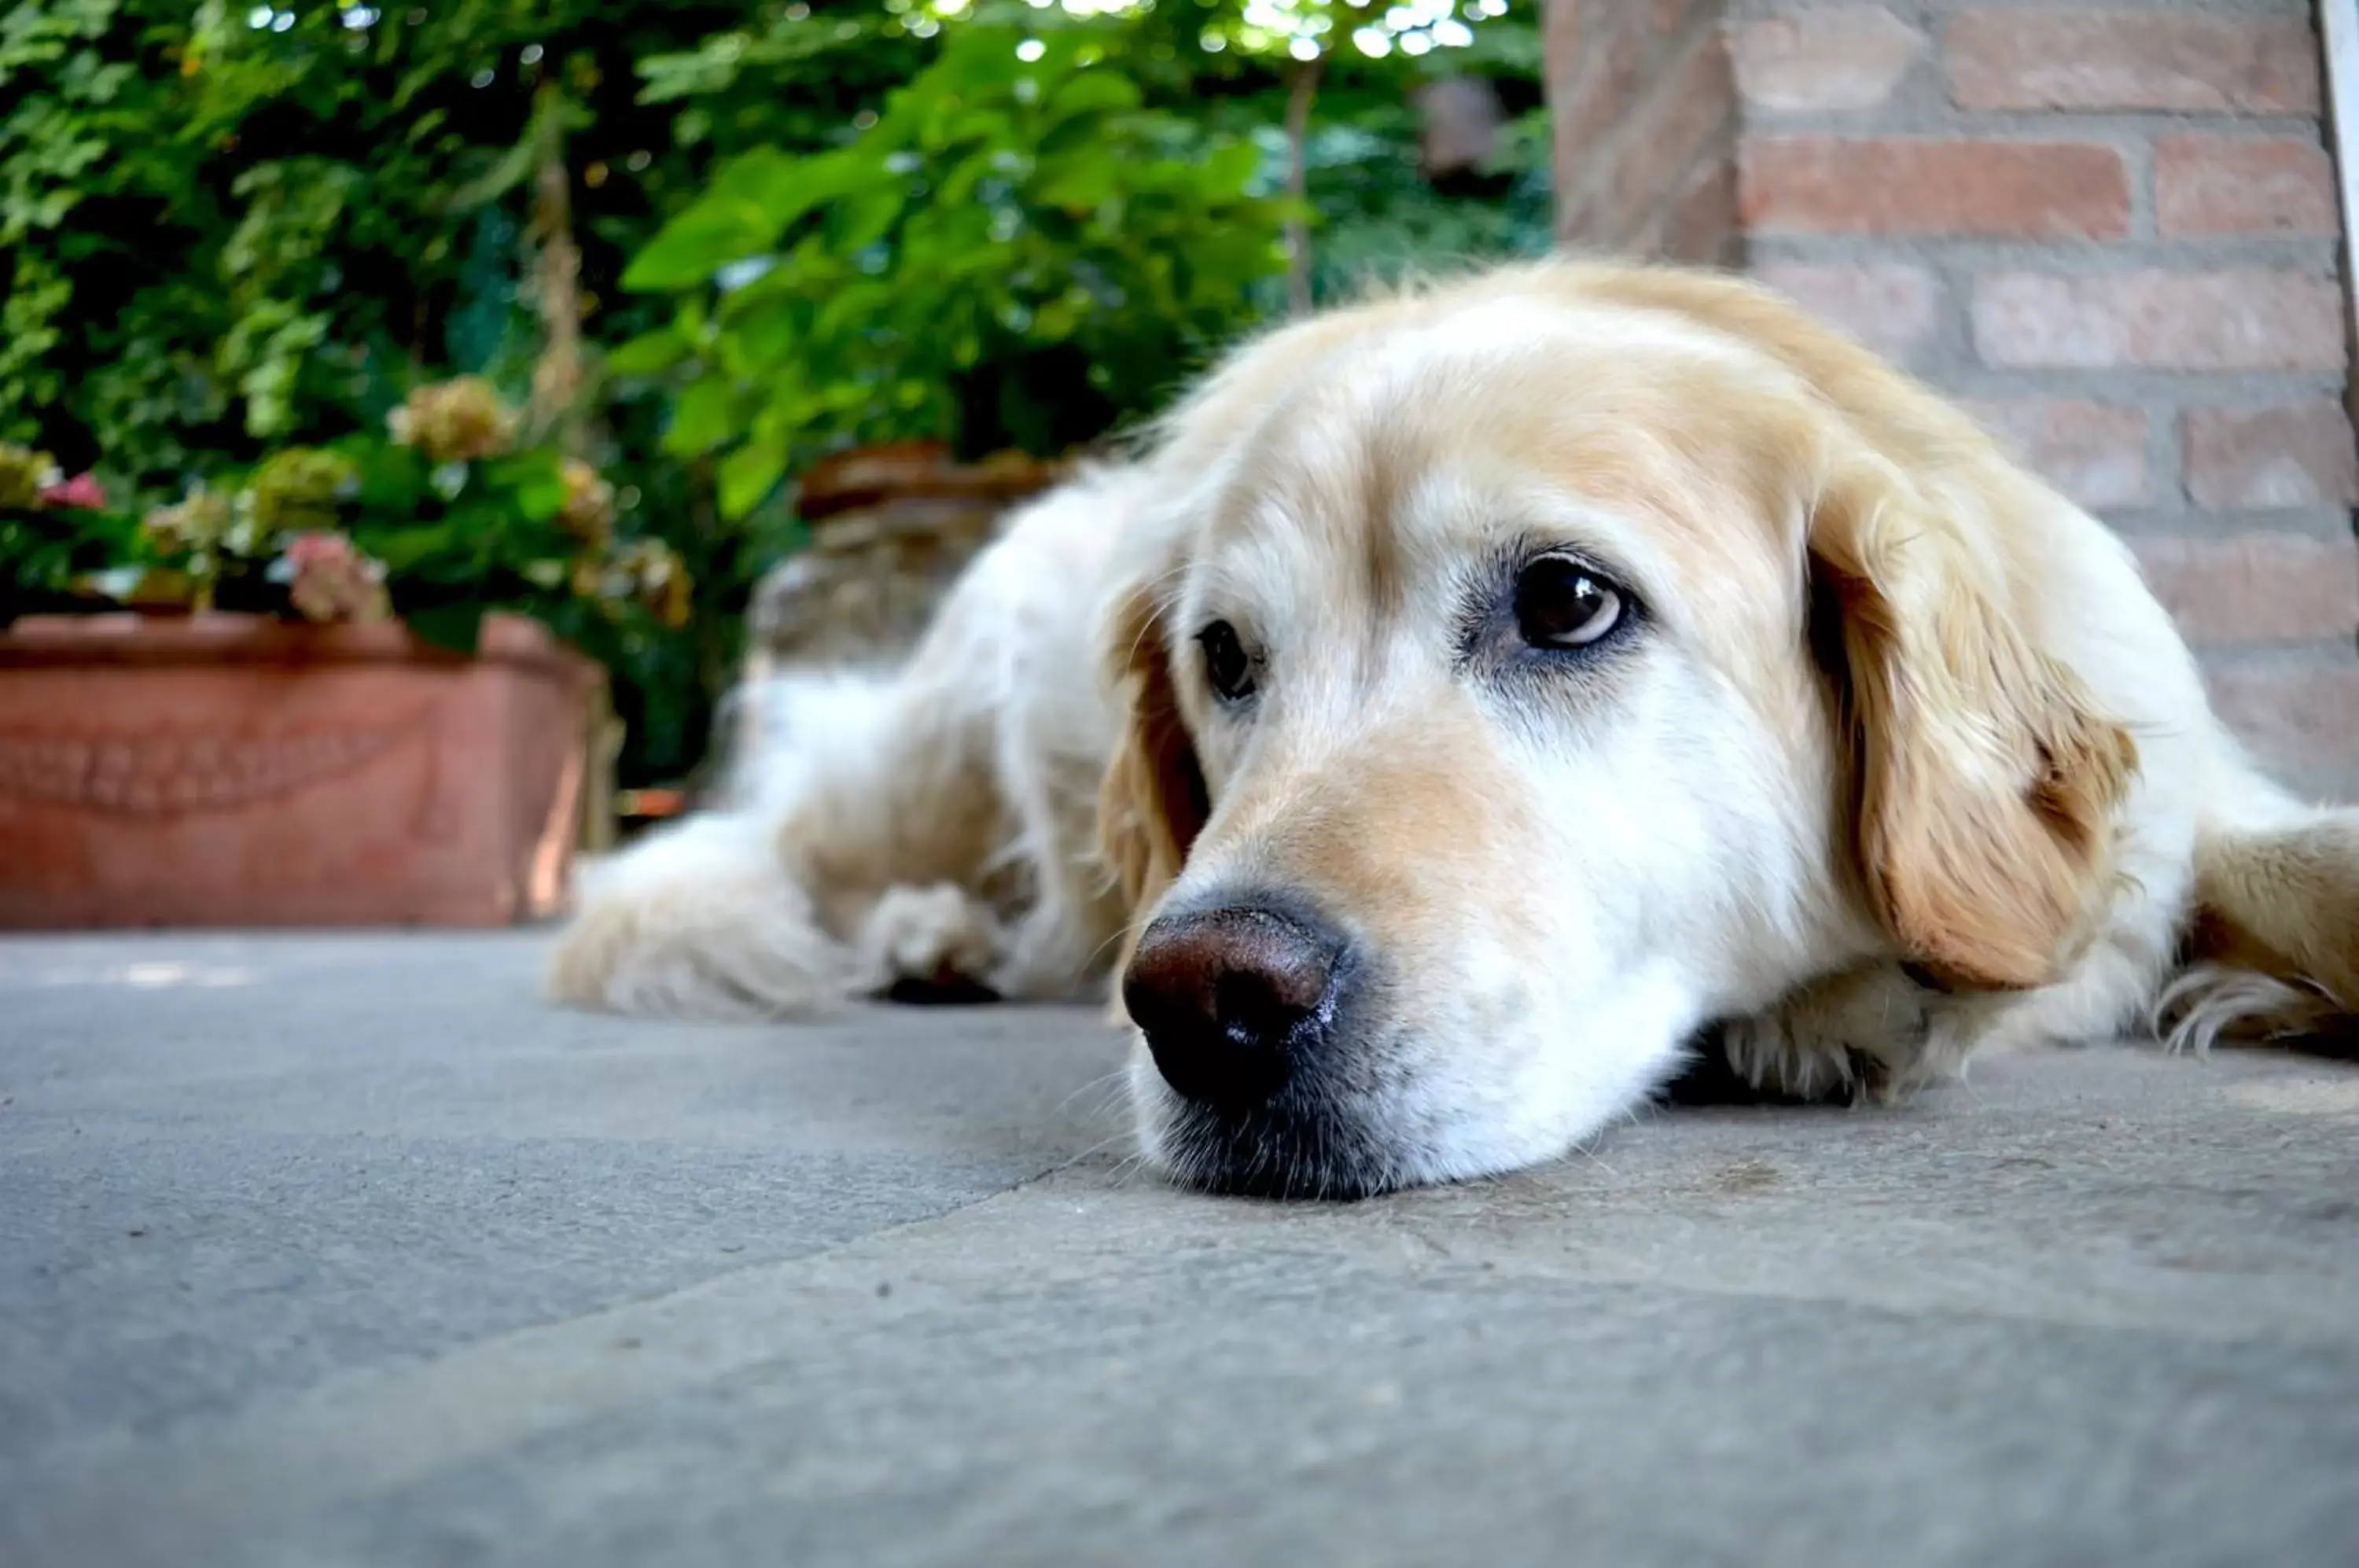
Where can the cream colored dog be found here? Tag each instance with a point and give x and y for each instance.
(1476, 696)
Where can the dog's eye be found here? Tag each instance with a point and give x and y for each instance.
(1227, 665)
(1560, 603)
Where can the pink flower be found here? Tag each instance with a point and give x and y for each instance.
(330, 580)
(320, 551)
(83, 490)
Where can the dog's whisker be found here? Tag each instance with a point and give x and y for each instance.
(1114, 1080)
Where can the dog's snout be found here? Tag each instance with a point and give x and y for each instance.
(1231, 999)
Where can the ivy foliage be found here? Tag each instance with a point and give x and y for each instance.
(1019, 252)
(231, 226)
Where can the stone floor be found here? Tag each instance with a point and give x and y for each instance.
(341, 1250)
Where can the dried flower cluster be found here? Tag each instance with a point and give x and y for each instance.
(589, 510)
(649, 570)
(460, 420)
(24, 474)
(288, 520)
(195, 525)
(285, 514)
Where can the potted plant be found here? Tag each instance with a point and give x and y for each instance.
(53, 532)
(342, 688)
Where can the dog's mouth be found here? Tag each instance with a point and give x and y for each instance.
(1300, 1144)
(1272, 1153)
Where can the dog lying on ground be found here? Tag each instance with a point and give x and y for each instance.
(1473, 698)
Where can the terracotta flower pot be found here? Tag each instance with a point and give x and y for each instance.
(891, 527)
(231, 770)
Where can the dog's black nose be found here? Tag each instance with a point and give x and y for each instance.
(1232, 998)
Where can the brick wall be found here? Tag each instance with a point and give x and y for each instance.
(2111, 230)
(1644, 127)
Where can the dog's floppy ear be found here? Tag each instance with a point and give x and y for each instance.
(1152, 802)
(1984, 781)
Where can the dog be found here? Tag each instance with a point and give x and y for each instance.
(1472, 700)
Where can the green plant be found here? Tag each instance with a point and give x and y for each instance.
(227, 227)
(1379, 216)
(440, 521)
(1019, 252)
(465, 522)
(228, 230)
(55, 533)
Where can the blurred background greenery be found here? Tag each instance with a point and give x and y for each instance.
(691, 248)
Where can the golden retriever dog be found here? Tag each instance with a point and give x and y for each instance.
(1474, 700)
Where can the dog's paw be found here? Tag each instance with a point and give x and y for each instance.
(933, 937)
(673, 930)
(1777, 1062)
(1861, 1034)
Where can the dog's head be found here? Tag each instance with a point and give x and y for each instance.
(1522, 674)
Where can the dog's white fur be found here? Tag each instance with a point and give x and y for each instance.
(1900, 759)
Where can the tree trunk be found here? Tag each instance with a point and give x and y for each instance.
(557, 283)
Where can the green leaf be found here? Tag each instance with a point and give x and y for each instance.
(1078, 183)
(761, 341)
(1232, 167)
(535, 481)
(849, 307)
(1092, 93)
(994, 129)
(694, 245)
(391, 478)
(455, 626)
(750, 203)
(763, 177)
(1057, 319)
(864, 219)
(649, 353)
(750, 473)
(701, 420)
(406, 550)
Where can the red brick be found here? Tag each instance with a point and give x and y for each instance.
(2241, 185)
(2241, 319)
(1596, 64)
(2133, 60)
(1892, 307)
(2255, 587)
(1700, 223)
(2301, 720)
(1826, 185)
(1825, 57)
(2296, 454)
(2094, 453)
(1689, 106)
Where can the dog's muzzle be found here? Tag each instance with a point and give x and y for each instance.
(1243, 1005)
